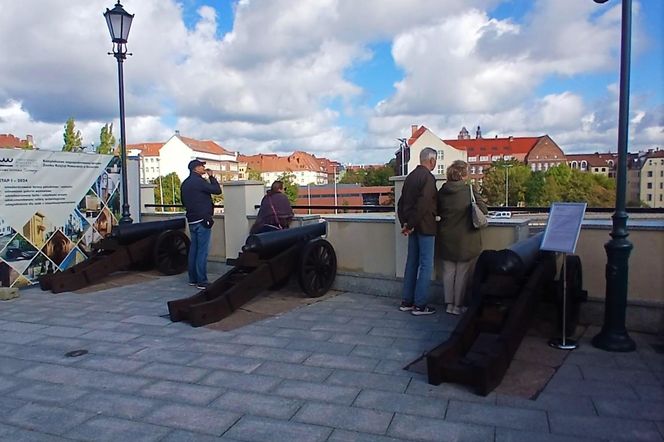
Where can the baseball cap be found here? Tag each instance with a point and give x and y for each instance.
(195, 163)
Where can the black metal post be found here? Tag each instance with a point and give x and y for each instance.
(613, 336)
(121, 54)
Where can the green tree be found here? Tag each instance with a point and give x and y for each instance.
(170, 186)
(353, 176)
(254, 175)
(494, 182)
(72, 137)
(106, 140)
(378, 176)
(291, 188)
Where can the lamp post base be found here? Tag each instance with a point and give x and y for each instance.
(568, 344)
(126, 220)
(614, 341)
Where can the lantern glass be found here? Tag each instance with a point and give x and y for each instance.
(119, 22)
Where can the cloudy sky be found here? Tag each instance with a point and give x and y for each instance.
(338, 78)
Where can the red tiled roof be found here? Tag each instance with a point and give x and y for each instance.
(206, 146)
(147, 149)
(655, 154)
(415, 135)
(273, 163)
(9, 140)
(593, 159)
(485, 146)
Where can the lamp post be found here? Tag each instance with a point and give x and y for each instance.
(119, 23)
(403, 144)
(335, 188)
(507, 184)
(613, 336)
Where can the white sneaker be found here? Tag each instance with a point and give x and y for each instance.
(449, 309)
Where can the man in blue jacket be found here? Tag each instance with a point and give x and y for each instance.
(196, 192)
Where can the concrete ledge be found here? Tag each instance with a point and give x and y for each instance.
(640, 316)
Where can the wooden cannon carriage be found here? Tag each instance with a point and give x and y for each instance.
(156, 244)
(506, 288)
(267, 261)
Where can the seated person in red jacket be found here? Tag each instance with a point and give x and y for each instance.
(275, 212)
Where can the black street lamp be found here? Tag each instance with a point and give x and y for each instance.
(613, 336)
(119, 23)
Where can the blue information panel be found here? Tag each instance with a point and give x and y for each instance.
(563, 228)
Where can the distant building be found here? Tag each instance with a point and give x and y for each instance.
(652, 179)
(346, 195)
(421, 137)
(305, 167)
(161, 159)
(540, 153)
(598, 163)
(9, 141)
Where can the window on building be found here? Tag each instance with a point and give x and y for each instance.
(495, 157)
(472, 170)
(480, 169)
(533, 167)
(603, 169)
(472, 159)
(584, 165)
(649, 197)
(649, 174)
(507, 157)
(648, 185)
(441, 155)
(441, 169)
(484, 158)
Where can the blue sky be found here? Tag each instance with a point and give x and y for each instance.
(338, 78)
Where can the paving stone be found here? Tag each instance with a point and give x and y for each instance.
(46, 418)
(483, 414)
(9, 404)
(258, 404)
(241, 381)
(353, 436)
(190, 436)
(629, 409)
(392, 353)
(511, 435)
(110, 336)
(20, 435)
(6, 384)
(436, 430)
(317, 392)
(595, 373)
(172, 372)
(20, 327)
(266, 341)
(303, 334)
(379, 341)
(125, 406)
(17, 337)
(223, 348)
(401, 403)
(50, 393)
(561, 403)
(196, 419)
(259, 429)
(110, 429)
(166, 355)
(293, 371)
(604, 428)
(374, 381)
(334, 348)
(594, 389)
(147, 320)
(223, 362)
(341, 328)
(650, 392)
(401, 333)
(355, 419)
(344, 362)
(84, 378)
(182, 392)
(112, 364)
(60, 331)
(9, 365)
(276, 354)
(420, 387)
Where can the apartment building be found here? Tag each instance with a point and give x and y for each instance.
(652, 179)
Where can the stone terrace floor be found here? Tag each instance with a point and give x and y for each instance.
(328, 371)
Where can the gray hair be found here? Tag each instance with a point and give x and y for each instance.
(428, 153)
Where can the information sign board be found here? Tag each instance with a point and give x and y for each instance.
(563, 228)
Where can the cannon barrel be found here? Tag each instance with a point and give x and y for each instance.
(269, 243)
(129, 233)
(518, 258)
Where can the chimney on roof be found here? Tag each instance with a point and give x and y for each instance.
(177, 132)
(496, 136)
(511, 138)
(413, 129)
(478, 133)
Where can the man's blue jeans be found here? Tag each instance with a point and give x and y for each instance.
(198, 252)
(419, 268)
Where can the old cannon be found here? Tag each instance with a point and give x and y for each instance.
(505, 290)
(162, 245)
(267, 261)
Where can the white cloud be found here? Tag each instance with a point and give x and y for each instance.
(278, 80)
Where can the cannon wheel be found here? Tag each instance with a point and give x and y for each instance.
(318, 267)
(171, 252)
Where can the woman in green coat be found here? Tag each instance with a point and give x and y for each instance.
(459, 243)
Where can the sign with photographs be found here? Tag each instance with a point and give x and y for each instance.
(53, 206)
(563, 228)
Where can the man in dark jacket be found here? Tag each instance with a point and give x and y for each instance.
(275, 212)
(416, 210)
(196, 192)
